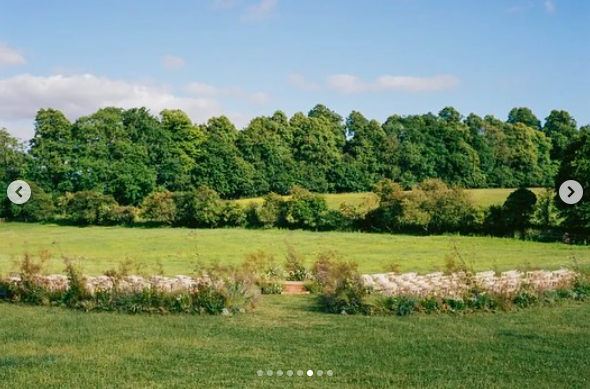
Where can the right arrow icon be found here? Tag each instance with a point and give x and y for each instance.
(570, 192)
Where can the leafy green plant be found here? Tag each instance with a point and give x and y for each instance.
(294, 265)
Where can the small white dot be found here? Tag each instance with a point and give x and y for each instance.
(289, 373)
(320, 373)
(310, 373)
(329, 372)
(280, 373)
(299, 373)
(269, 373)
(260, 373)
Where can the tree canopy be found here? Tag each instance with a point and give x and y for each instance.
(128, 154)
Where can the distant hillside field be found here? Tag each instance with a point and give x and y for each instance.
(482, 197)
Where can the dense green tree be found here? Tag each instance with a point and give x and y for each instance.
(524, 116)
(40, 206)
(51, 152)
(562, 129)
(576, 166)
(518, 209)
(316, 149)
(219, 163)
(131, 153)
(265, 143)
(181, 147)
(366, 147)
(111, 158)
(12, 157)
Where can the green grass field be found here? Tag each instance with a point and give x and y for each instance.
(179, 249)
(57, 348)
(482, 197)
(541, 347)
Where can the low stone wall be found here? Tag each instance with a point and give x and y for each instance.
(456, 284)
(402, 284)
(59, 282)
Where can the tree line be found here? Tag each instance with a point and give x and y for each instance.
(127, 155)
(132, 153)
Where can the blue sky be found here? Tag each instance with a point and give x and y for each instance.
(244, 58)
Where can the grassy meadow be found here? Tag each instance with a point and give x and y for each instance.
(58, 348)
(542, 347)
(481, 197)
(178, 250)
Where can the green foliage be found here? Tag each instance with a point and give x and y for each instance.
(546, 214)
(89, 208)
(129, 154)
(518, 209)
(201, 207)
(350, 296)
(229, 297)
(431, 207)
(271, 212)
(263, 270)
(562, 129)
(232, 215)
(340, 283)
(12, 159)
(40, 207)
(294, 265)
(159, 207)
(306, 210)
(525, 116)
(576, 166)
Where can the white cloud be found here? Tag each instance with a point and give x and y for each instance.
(549, 6)
(172, 62)
(349, 83)
(206, 90)
(302, 83)
(262, 10)
(23, 95)
(10, 56)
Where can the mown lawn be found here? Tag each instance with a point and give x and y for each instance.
(57, 348)
(179, 249)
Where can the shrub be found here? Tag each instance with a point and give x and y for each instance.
(89, 208)
(306, 210)
(40, 206)
(262, 269)
(201, 207)
(232, 214)
(341, 285)
(387, 190)
(159, 207)
(494, 222)
(119, 215)
(546, 213)
(272, 211)
(294, 265)
(518, 209)
(431, 207)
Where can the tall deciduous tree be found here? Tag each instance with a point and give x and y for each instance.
(562, 129)
(52, 152)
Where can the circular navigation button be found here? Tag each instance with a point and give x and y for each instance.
(571, 192)
(19, 192)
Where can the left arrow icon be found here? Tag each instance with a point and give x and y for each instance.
(19, 192)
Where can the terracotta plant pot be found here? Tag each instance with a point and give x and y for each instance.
(294, 287)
